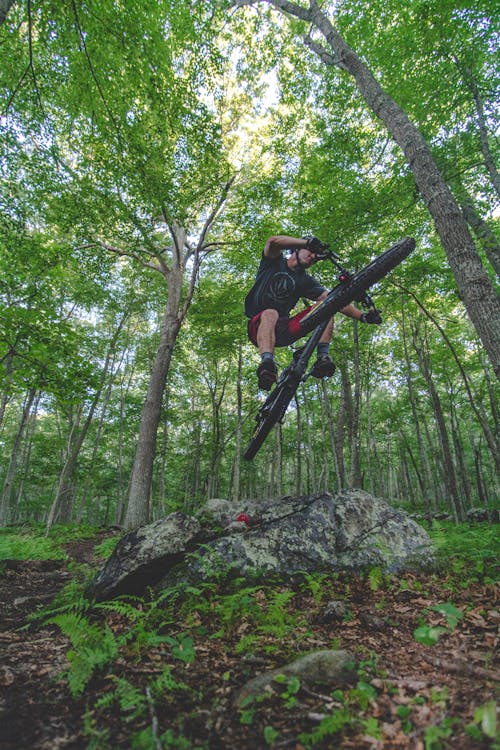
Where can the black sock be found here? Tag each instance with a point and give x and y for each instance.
(323, 349)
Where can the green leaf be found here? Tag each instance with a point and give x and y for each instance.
(486, 715)
(270, 735)
(428, 635)
(449, 612)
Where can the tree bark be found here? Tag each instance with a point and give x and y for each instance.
(476, 405)
(298, 476)
(8, 486)
(236, 489)
(138, 507)
(448, 468)
(355, 477)
(485, 235)
(5, 6)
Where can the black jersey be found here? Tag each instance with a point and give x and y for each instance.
(279, 287)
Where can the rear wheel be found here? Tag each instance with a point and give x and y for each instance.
(271, 412)
(345, 293)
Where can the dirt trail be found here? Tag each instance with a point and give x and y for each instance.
(420, 692)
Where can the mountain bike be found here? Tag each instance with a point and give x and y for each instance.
(351, 287)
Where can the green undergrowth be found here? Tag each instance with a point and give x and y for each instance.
(132, 657)
(470, 549)
(34, 543)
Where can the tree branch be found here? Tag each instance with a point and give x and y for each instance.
(322, 53)
(287, 7)
(212, 216)
(129, 254)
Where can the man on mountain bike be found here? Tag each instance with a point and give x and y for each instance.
(279, 284)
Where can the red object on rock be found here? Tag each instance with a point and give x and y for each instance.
(243, 518)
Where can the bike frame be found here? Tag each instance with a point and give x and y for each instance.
(352, 287)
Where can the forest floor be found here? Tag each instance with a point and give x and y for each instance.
(164, 673)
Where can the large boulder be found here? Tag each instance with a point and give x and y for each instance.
(350, 530)
(141, 557)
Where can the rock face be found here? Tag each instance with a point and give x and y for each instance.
(141, 558)
(349, 530)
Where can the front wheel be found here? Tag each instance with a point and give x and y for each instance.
(360, 282)
(271, 412)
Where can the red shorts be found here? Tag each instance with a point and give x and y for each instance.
(287, 329)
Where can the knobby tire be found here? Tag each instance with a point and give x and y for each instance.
(345, 293)
(280, 398)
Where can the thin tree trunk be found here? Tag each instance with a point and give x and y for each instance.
(62, 505)
(309, 445)
(355, 478)
(6, 395)
(343, 426)
(95, 448)
(162, 492)
(489, 161)
(428, 497)
(26, 457)
(339, 483)
(476, 404)
(416, 469)
(6, 503)
(481, 491)
(459, 450)
(236, 490)
(298, 476)
(449, 474)
(279, 459)
(120, 490)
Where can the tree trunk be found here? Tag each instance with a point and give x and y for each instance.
(342, 423)
(279, 459)
(26, 457)
(325, 400)
(485, 235)
(459, 450)
(8, 486)
(138, 507)
(95, 448)
(5, 6)
(474, 286)
(448, 468)
(355, 478)
(428, 496)
(6, 393)
(62, 507)
(162, 492)
(298, 476)
(489, 161)
(476, 405)
(236, 488)
(182, 253)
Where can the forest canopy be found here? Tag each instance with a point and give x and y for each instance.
(147, 152)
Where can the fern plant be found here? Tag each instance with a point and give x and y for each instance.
(94, 648)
